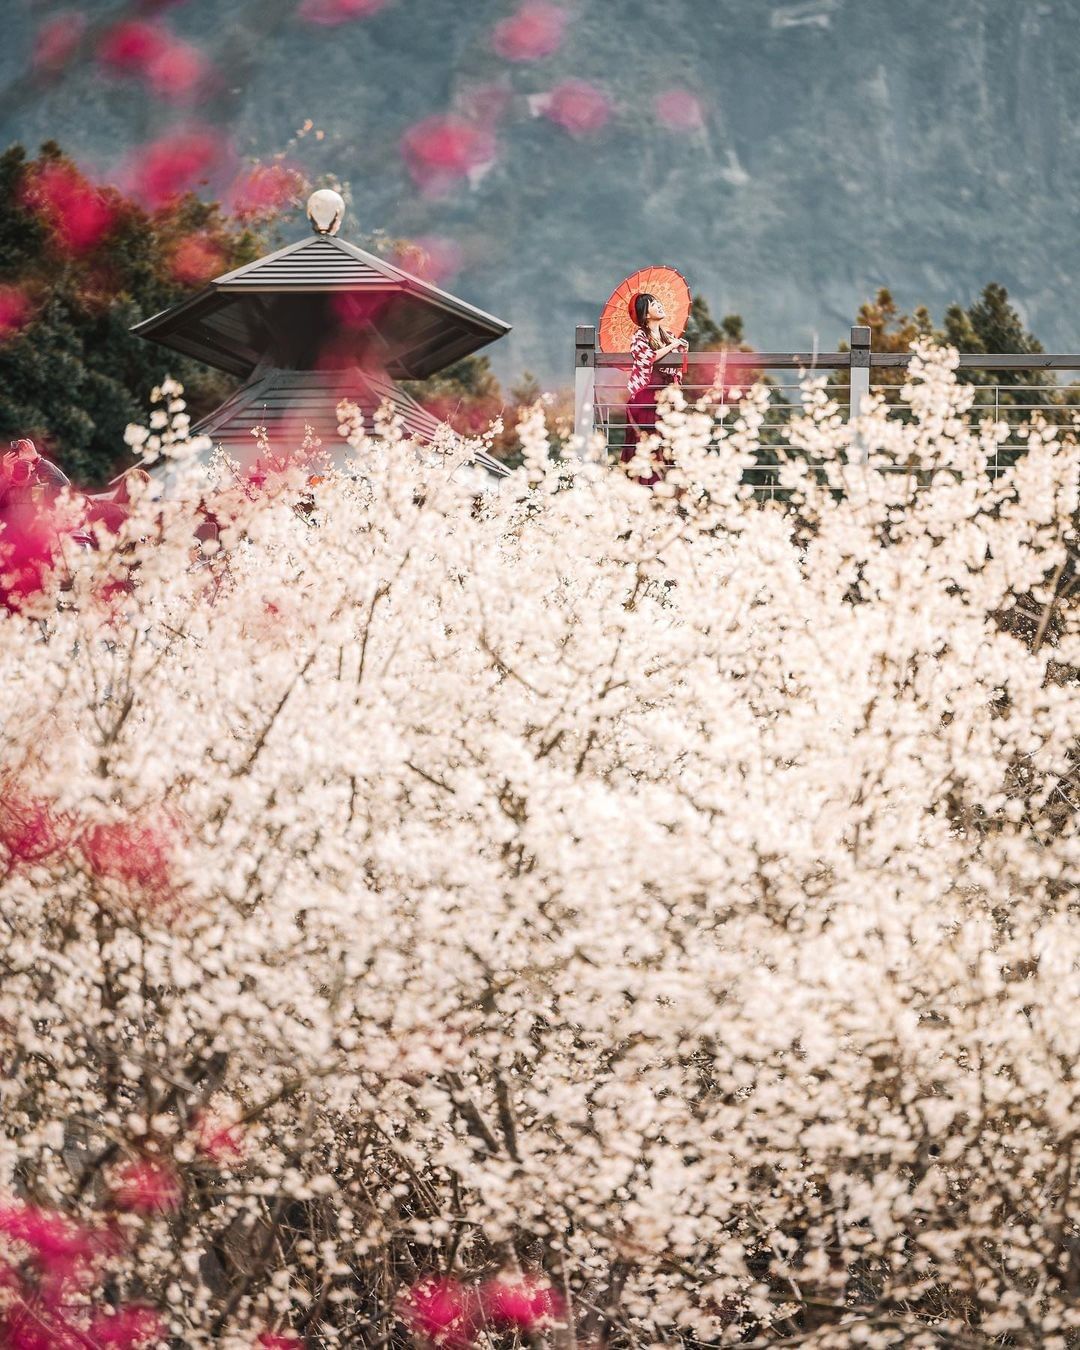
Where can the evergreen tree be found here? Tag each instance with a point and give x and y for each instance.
(892, 331)
(991, 324)
(72, 375)
(704, 334)
(988, 324)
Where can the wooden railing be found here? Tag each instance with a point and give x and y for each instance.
(600, 384)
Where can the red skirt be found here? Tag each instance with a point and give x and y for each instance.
(641, 420)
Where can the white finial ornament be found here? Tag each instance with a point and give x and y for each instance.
(326, 210)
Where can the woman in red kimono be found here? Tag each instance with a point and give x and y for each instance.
(649, 344)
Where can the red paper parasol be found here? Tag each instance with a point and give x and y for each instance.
(617, 328)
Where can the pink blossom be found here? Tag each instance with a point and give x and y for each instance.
(30, 832)
(28, 549)
(431, 257)
(521, 1304)
(146, 1187)
(53, 1317)
(195, 260)
(77, 213)
(534, 32)
(125, 1329)
(15, 310)
(175, 164)
(441, 149)
(679, 109)
(578, 107)
(177, 72)
(25, 1328)
(56, 41)
(58, 1245)
(131, 46)
(265, 188)
(354, 310)
(332, 12)
(443, 1311)
(220, 1142)
(135, 854)
(174, 68)
(276, 1340)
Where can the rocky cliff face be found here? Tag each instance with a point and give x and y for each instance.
(845, 144)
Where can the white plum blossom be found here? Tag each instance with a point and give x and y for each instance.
(571, 915)
(169, 429)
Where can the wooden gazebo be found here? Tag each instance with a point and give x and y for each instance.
(316, 322)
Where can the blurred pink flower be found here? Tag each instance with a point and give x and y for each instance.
(57, 1245)
(125, 1329)
(56, 41)
(195, 260)
(176, 163)
(521, 1304)
(136, 855)
(44, 1296)
(220, 1141)
(28, 549)
(15, 311)
(76, 213)
(429, 257)
(332, 12)
(264, 188)
(679, 109)
(578, 107)
(145, 1187)
(443, 1311)
(177, 72)
(278, 1340)
(25, 1328)
(353, 310)
(29, 830)
(131, 46)
(174, 69)
(534, 32)
(443, 149)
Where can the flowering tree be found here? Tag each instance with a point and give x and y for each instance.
(576, 915)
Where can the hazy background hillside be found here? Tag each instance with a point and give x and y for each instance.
(921, 144)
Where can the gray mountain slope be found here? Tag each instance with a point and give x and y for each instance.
(928, 145)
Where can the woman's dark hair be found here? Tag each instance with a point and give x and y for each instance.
(641, 318)
(641, 308)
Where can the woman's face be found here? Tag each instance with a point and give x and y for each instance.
(656, 309)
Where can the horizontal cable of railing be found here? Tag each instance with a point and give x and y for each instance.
(842, 360)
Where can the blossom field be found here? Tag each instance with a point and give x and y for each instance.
(567, 915)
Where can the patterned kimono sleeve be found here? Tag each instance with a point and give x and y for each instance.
(641, 370)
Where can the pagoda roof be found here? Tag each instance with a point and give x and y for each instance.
(280, 308)
(287, 402)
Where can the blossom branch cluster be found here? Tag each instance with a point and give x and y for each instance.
(573, 915)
